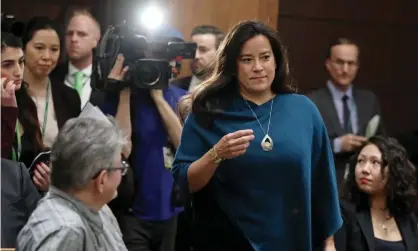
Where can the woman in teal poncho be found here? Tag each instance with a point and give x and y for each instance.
(256, 156)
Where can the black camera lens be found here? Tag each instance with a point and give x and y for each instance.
(148, 74)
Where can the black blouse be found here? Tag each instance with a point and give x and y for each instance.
(66, 105)
(357, 231)
(382, 245)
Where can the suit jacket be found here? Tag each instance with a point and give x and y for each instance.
(66, 102)
(66, 105)
(97, 96)
(357, 231)
(18, 199)
(367, 106)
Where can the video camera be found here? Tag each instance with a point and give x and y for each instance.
(148, 58)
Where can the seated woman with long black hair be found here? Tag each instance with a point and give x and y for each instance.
(378, 199)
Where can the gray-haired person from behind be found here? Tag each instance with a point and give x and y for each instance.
(86, 171)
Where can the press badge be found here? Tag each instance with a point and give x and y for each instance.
(168, 157)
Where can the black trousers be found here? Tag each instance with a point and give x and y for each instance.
(212, 229)
(185, 236)
(141, 235)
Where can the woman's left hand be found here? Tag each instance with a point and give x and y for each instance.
(41, 177)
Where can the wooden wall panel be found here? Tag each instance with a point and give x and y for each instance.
(384, 11)
(25, 9)
(185, 14)
(182, 14)
(387, 34)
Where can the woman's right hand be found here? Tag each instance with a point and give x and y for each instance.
(8, 96)
(234, 144)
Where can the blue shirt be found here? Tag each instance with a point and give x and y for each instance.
(337, 97)
(153, 181)
(285, 199)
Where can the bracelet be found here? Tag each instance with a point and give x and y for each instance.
(215, 158)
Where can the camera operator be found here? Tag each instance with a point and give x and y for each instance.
(151, 221)
(207, 38)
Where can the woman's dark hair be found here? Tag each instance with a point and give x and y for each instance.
(10, 40)
(216, 91)
(36, 24)
(401, 185)
(27, 108)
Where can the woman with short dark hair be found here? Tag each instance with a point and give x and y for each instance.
(255, 155)
(378, 200)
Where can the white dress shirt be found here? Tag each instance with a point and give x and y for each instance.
(86, 90)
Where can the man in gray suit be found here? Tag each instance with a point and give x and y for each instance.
(345, 109)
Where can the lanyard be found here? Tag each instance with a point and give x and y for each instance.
(16, 154)
(46, 108)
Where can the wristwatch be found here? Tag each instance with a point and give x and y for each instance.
(215, 158)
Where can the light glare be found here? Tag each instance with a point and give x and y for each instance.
(152, 17)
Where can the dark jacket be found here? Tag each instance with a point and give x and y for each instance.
(97, 96)
(18, 199)
(367, 106)
(8, 125)
(66, 106)
(357, 231)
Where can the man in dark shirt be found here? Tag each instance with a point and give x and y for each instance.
(207, 39)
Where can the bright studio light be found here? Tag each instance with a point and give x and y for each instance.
(152, 17)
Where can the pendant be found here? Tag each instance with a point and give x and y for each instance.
(267, 143)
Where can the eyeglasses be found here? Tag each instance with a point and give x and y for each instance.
(123, 168)
(341, 63)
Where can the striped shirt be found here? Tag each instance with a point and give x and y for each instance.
(62, 222)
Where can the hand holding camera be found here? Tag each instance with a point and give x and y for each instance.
(118, 72)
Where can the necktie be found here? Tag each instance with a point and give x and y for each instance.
(78, 82)
(346, 115)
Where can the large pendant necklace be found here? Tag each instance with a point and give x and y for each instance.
(267, 142)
